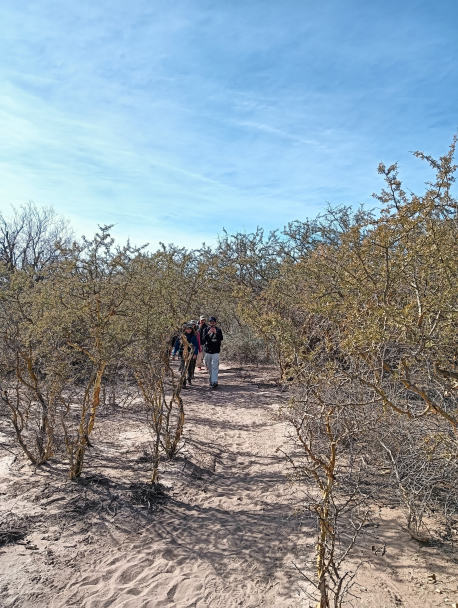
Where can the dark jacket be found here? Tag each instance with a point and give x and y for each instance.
(192, 339)
(201, 333)
(211, 341)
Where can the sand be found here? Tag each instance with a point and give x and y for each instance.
(226, 532)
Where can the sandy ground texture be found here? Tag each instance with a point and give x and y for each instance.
(225, 533)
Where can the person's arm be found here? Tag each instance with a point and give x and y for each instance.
(198, 341)
(219, 335)
(196, 345)
(177, 346)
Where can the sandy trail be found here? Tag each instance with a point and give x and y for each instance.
(225, 535)
(225, 539)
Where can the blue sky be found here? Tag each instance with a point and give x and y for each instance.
(175, 119)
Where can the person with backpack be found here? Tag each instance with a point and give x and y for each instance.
(191, 339)
(212, 338)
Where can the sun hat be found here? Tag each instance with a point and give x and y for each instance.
(193, 322)
(201, 318)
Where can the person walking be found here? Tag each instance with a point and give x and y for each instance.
(200, 331)
(199, 354)
(212, 338)
(179, 348)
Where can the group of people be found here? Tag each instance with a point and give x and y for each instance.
(206, 342)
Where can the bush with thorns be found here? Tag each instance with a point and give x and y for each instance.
(359, 309)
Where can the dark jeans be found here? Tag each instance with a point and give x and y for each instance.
(191, 369)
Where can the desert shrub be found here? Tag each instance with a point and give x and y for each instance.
(361, 312)
(242, 345)
(358, 309)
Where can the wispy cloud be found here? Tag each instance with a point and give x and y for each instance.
(174, 120)
(279, 133)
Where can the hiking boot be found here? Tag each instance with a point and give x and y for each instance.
(189, 381)
(214, 385)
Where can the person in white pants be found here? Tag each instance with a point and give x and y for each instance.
(212, 338)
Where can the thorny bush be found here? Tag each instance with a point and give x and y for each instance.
(358, 308)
